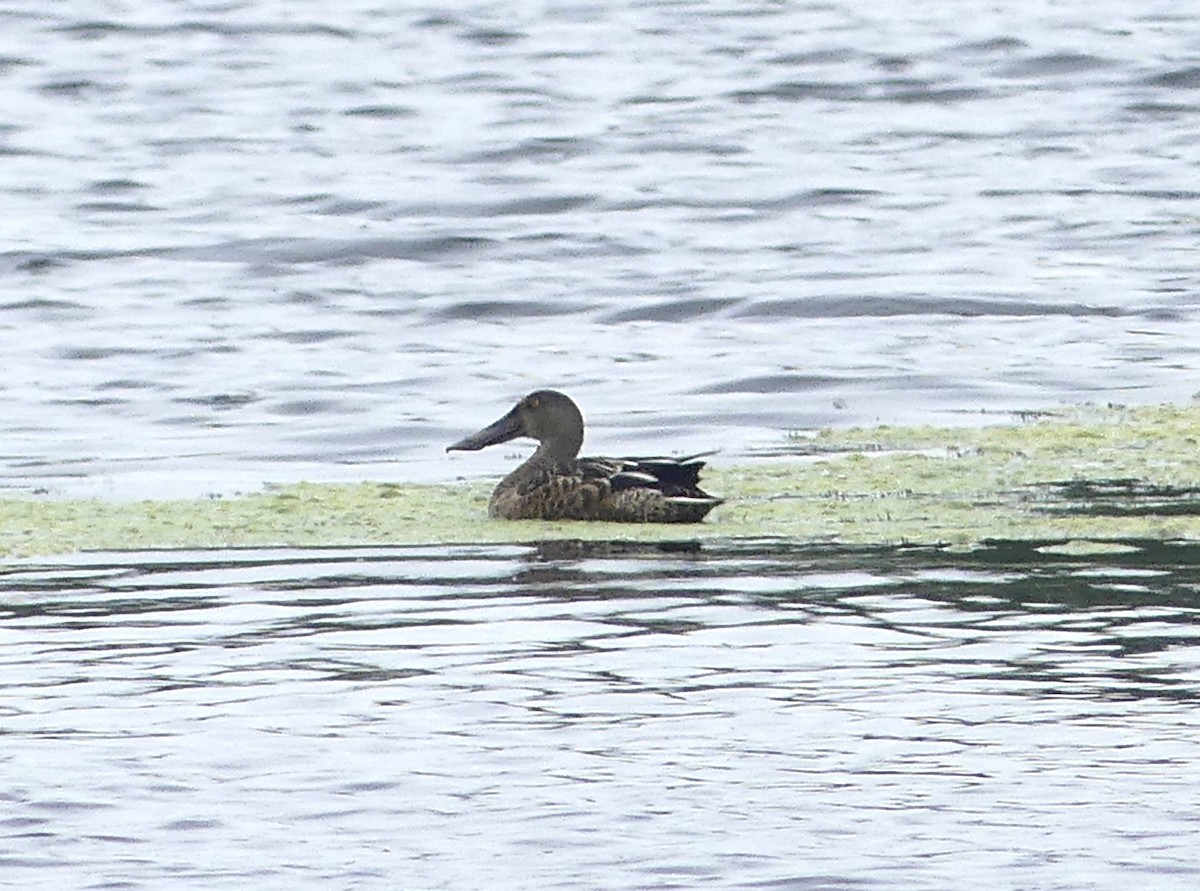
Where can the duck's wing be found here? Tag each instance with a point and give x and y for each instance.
(671, 476)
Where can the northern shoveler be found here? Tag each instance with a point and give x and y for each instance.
(555, 484)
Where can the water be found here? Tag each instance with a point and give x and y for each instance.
(271, 241)
(594, 716)
(249, 241)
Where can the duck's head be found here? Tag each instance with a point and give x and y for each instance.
(548, 416)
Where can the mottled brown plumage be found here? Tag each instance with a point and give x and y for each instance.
(554, 484)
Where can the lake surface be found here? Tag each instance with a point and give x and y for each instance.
(248, 241)
(602, 716)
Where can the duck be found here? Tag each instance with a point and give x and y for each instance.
(556, 484)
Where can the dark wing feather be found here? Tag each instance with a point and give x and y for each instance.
(671, 476)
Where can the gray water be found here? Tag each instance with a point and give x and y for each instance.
(591, 716)
(263, 241)
(248, 241)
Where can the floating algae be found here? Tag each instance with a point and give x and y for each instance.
(1087, 475)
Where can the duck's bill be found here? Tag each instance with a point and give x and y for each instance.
(508, 427)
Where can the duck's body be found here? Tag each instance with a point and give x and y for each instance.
(619, 490)
(555, 484)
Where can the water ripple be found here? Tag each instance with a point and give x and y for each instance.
(605, 701)
(646, 208)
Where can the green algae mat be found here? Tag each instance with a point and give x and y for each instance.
(1084, 475)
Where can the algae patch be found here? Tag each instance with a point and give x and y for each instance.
(1089, 475)
(301, 514)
